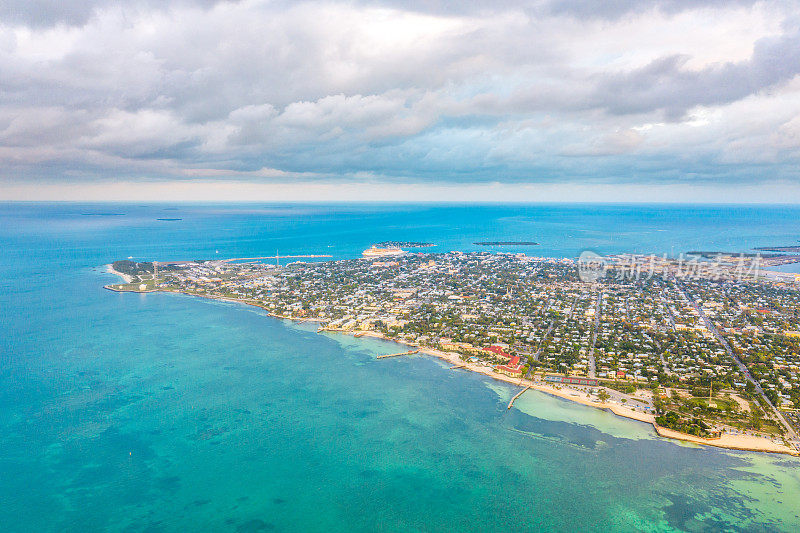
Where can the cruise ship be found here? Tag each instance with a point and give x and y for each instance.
(374, 251)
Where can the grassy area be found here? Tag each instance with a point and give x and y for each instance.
(136, 286)
(719, 402)
(720, 409)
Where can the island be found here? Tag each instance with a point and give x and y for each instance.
(705, 352)
(506, 243)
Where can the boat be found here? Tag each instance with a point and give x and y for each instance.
(374, 251)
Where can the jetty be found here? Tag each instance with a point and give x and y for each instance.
(398, 354)
(455, 367)
(276, 257)
(511, 403)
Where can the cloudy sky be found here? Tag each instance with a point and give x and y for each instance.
(638, 100)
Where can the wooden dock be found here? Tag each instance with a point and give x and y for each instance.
(398, 354)
(511, 403)
(454, 367)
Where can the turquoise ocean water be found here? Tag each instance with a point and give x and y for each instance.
(122, 412)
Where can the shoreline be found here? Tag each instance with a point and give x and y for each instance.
(110, 270)
(727, 441)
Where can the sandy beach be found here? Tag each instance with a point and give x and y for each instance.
(729, 441)
(733, 442)
(110, 270)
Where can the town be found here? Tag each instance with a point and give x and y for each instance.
(702, 347)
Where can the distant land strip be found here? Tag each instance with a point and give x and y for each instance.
(713, 254)
(506, 243)
(793, 249)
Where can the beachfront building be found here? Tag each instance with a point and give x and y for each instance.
(498, 351)
(513, 368)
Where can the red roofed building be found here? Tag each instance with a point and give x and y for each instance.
(513, 368)
(498, 351)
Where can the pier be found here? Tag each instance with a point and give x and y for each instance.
(511, 403)
(398, 354)
(276, 257)
(455, 367)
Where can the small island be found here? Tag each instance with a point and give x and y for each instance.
(506, 243)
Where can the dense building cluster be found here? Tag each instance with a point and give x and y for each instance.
(663, 329)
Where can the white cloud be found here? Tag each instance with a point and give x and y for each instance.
(522, 92)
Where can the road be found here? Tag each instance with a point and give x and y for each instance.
(621, 398)
(544, 339)
(661, 356)
(598, 306)
(670, 316)
(790, 432)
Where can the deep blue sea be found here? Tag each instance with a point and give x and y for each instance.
(144, 413)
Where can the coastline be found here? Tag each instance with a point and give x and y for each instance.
(747, 443)
(726, 441)
(110, 270)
